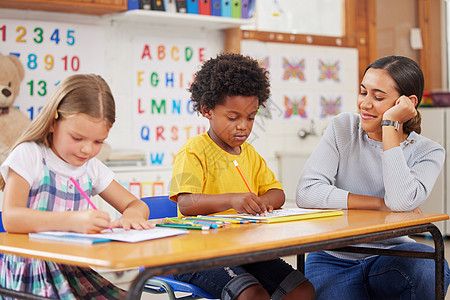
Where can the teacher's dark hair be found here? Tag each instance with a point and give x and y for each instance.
(409, 79)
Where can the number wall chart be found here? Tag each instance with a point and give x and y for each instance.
(163, 118)
(50, 52)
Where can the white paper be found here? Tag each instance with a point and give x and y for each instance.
(283, 212)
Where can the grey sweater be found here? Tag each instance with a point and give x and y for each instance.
(348, 161)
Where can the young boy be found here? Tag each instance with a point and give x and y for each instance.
(228, 91)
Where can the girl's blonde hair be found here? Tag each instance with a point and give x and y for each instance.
(87, 94)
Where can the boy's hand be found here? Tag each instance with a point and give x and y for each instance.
(248, 203)
(91, 221)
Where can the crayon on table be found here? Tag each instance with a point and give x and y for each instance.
(183, 226)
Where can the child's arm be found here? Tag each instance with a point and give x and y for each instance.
(15, 211)
(196, 204)
(134, 211)
(273, 199)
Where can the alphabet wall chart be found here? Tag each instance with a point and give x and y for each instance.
(50, 52)
(163, 116)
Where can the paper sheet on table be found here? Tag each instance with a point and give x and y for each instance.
(287, 214)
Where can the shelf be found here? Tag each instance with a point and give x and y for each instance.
(91, 7)
(184, 20)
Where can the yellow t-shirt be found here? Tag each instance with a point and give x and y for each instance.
(201, 166)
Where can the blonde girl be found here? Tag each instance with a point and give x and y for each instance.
(61, 143)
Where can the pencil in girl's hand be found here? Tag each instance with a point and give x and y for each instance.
(83, 193)
(85, 196)
(243, 176)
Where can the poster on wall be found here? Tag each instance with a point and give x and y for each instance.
(307, 82)
(50, 52)
(163, 118)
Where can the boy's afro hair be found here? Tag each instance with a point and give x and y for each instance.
(229, 74)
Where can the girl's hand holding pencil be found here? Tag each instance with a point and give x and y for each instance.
(95, 221)
(91, 221)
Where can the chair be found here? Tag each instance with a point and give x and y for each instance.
(2, 229)
(161, 207)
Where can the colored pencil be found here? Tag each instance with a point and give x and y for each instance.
(183, 226)
(85, 195)
(243, 176)
(229, 219)
(190, 222)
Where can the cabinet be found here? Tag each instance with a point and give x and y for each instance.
(90, 7)
(435, 126)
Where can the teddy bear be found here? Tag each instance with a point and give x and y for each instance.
(12, 121)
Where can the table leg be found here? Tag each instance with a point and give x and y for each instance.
(439, 262)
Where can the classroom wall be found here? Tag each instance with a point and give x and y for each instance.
(277, 140)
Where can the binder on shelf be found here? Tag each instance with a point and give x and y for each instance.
(133, 4)
(204, 7)
(157, 5)
(192, 6)
(236, 9)
(145, 4)
(180, 6)
(215, 8)
(251, 8)
(245, 5)
(170, 6)
(226, 8)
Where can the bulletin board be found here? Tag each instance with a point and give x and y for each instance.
(307, 82)
(50, 52)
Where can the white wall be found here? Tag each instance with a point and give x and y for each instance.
(278, 141)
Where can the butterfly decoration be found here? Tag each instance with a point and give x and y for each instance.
(329, 71)
(264, 63)
(264, 112)
(295, 107)
(330, 107)
(294, 70)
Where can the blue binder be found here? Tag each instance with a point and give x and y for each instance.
(215, 8)
(133, 4)
(226, 8)
(192, 6)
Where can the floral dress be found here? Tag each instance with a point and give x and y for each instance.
(49, 279)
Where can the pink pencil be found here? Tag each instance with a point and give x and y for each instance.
(83, 193)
